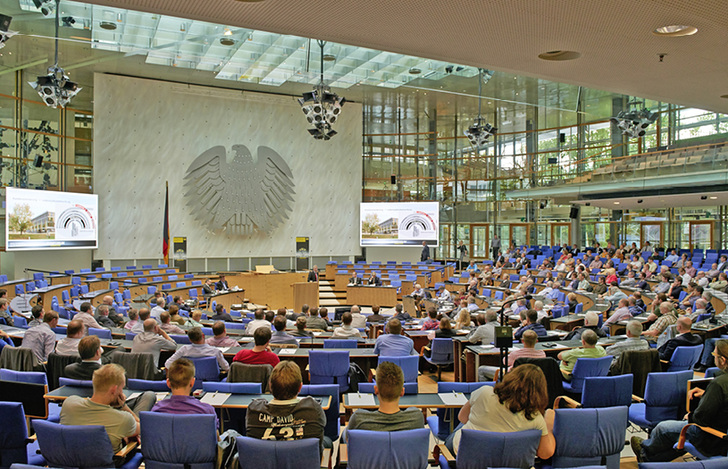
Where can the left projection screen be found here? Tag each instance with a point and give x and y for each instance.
(37, 220)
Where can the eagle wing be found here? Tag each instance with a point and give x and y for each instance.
(205, 185)
(277, 187)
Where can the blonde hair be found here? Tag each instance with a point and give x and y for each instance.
(463, 319)
(107, 376)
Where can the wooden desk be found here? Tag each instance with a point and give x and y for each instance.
(567, 323)
(368, 296)
(274, 290)
(45, 295)
(421, 401)
(305, 293)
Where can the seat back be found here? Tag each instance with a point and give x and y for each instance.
(441, 351)
(665, 395)
(137, 365)
(491, 449)
(34, 377)
(233, 388)
(550, 368)
(244, 373)
(329, 367)
(447, 418)
(178, 441)
(206, 369)
(180, 338)
(408, 364)
(13, 434)
(402, 449)
(271, 454)
(20, 321)
(684, 357)
(101, 333)
(589, 436)
(586, 367)
(340, 343)
(17, 358)
(82, 383)
(55, 366)
(77, 446)
(332, 414)
(607, 391)
(147, 385)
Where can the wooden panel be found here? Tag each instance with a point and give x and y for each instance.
(305, 293)
(368, 296)
(274, 290)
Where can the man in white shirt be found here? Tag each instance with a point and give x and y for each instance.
(41, 339)
(69, 344)
(346, 331)
(547, 291)
(443, 294)
(259, 321)
(358, 320)
(620, 314)
(673, 257)
(158, 310)
(198, 348)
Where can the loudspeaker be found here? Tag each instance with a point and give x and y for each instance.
(393, 179)
(562, 138)
(574, 213)
(503, 336)
(38, 162)
(552, 160)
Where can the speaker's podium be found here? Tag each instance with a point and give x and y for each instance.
(305, 293)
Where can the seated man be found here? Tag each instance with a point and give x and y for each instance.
(301, 328)
(633, 341)
(174, 316)
(85, 316)
(358, 320)
(389, 417)
(133, 319)
(198, 348)
(41, 339)
(712, 411)
(529, 339)
(684, 338)
(400, 314)
(484, 334)
(158, 309)
(375, 316)
(117, 318)
(261, 353)
(346, 331)
(108, 406)
(221, 314)
(324, 313)
(355, 279)
(280, 336)
(443, 294)
(153, 340)
(313, 321)
(102, 317)
(144, 314)
(666, 318)
(69, 344)
(89, 349)
(286, 416)
(166, 324)
(530, 323)
(258, 321)
(221, 338)
(588, 349)
(37, 314)
(180, 379)
(393, 343)
(431, 323)
(591, 321)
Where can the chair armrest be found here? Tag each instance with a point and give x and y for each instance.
(636, 398)
(442, 450)
(343, 455)
(666, 362)
(326, 459)
(712, 431)
(123, 452)
(568, 402)
(31, 438)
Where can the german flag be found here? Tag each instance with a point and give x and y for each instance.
(165, 229)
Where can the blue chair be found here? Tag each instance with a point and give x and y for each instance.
(446, 420)
(329, 367)
(180, 339)
(271, 454)
(603, 391)
(14, 443)
(233, 388)
(408, 364)
(81, 383)
(101, 333)
(78, 446)
(174, 441)
(710, 372)
(130, 335)
(401, 449)
(584, 368)
(664, 399)
(491, 449)
(147, 385)
(340, 343)
(441, 355)
(333, 427)
(684, 357)
(206, 369)
(589, 436)
(20, 321)
(52, 411)
(717, 463)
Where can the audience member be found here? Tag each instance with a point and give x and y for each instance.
(69, 344)
(667, 318)
(89, 349)
(588, 349)
(530, 323)
(41, 339)
(261, 353)
(257, 322)
(157, 311)
(591, 323)
(194, 319)
(400, 314)
(313, 321)
(393, 343)
(431, 322)
(198, 348)
(85, 316)
(221, 314)
(301, 328)
(280, 336)
(181, 379)
(375, 316)
(153, 340)
(684, 338)
(174, 316)
(529, 340)
(117, 318)
(133, 319)
(358, 320)
(167, 326)
(485, 332)
(346, 331)
(36, 313)
(633, 342)
(221, 338)
(144, 314)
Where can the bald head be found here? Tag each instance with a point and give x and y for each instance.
(684, 324)
(149, 325)
(108, 300)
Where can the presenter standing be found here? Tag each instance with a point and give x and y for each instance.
(463, 254)
(425, 256)
(495, 246)
(313, 275)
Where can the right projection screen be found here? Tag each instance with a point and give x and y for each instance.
(399, 223)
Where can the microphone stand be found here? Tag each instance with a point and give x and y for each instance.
(502, 341)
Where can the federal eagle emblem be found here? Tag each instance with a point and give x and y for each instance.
(242, 197)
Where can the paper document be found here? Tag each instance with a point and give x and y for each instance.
(453, 398)
(287, 351)
(161, 395)
(223, 349)
(133, 395)
(359, 399)
(215, 398)
(316, 333)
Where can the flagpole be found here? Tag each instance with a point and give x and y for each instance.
(165, 225)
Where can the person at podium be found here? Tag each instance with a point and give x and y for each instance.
(222, 284)
(375, 280)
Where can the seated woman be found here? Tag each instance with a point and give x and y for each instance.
(463, 321)
(443, 332)
(517, 403)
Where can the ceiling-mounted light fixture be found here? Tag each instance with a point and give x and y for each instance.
(46, 7)
(321, 106)
(5, 33)
(56, 89)
(634, 123)
(479, 132)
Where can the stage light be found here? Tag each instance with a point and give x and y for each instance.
(46, 7)
(5, 33)
(634, 123)
(480, 131)
(321, 106)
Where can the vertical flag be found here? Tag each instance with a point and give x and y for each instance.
(165, 229)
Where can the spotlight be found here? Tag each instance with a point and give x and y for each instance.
(449, 68)
(640, 201)
(46, 7)
(56, 89)
(5, 33)
(68, 21)
(321, 107)
(479, 132)
(634, 123)
(703, 197)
